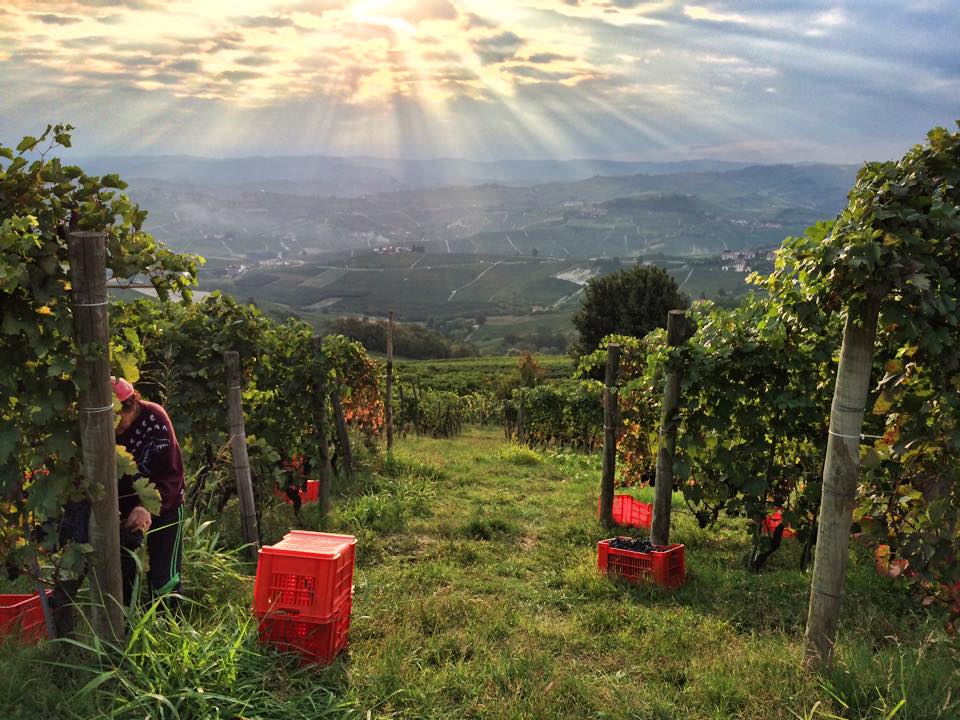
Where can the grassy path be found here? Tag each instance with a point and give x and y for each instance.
(489, 606)
(477, 596)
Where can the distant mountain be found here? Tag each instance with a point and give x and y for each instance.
(353, 177)
(296, 207)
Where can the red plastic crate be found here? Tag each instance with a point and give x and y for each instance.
(22, 616)
(630, 512)
(772, 521)
(310, 495)
(666, 567)
(309, 574)
(317, 642)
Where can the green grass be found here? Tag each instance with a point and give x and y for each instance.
(477, 596)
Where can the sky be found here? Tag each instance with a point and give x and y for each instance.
(754, 80)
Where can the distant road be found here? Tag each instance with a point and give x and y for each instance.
(484, 272)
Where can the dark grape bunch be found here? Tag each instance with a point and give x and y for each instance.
(635, 544)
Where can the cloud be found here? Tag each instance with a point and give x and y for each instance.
(52, 19)
(253, 61)
(85, 42)
(417, 11)
(187, 66)
(472, 21)
(441, 56)
(265, 21)
(131, 61)
(164, 78)
(220, 42)
(546, 58)
(497, 48)
(700, 12)
(827, 22)
(319, 7)
(535, 73)
(563, 76)
(132, 4)
(239, 75)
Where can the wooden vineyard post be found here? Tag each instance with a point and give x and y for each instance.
(343, 437)
(840, 473)
(663, 498)
(88, 275)
(238, 447)
(325, 472)
(610, 408)
(520, 417)
(388, 409)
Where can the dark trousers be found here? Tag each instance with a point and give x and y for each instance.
(164, 553)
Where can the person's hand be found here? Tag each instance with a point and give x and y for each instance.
(139, 519)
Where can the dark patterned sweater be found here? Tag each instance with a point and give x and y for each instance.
(153, 444)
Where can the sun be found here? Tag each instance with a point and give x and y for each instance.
(377, 12)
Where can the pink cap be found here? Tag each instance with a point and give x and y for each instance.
(121, 388)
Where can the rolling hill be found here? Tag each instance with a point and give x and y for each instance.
(680, 213)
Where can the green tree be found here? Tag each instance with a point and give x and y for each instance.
(631, 302)
(531, 372)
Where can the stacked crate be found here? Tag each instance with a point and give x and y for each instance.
(303, 594)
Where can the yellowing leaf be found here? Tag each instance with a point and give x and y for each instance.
(126, 465)
(128, 366)
(869, 457)
(45, 310)
(148, 494)
(883, 404)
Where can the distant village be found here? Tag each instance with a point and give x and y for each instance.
(740, 260)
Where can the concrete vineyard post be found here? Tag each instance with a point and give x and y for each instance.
(840, 474)
(343, 437)
(88, 276)
(388, 406)
(610, 408)
(663, 498)
(238, 447)
(324, 473)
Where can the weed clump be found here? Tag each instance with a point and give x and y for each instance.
(519, 455)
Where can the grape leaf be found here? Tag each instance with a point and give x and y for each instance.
(148, 494)
(126, 465)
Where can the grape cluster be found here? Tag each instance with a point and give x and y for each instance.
(634, 544)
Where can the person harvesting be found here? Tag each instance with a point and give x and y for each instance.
(145, 431)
